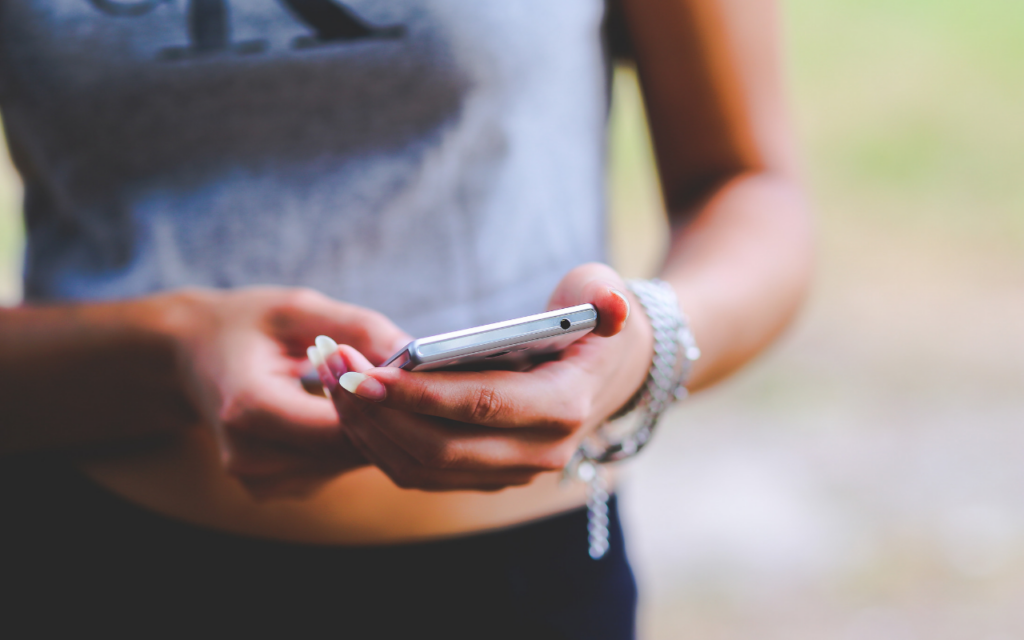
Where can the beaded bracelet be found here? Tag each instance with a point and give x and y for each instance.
(675, 351)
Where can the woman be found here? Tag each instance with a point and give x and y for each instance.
(394, 169)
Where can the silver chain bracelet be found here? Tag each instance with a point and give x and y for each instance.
(675, 351)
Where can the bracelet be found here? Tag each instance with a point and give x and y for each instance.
(675, 351)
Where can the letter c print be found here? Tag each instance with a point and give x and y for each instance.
(126, 9)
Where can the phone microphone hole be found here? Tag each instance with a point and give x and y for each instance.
(500, 353)
(565, 323)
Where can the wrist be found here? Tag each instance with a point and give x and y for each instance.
(638, 337)
(674, 353)
(184, 323)
(166, 331)
(179, 318)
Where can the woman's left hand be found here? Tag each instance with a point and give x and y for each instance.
(446, 430)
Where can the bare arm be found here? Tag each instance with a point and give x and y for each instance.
(740, 252)
(83, 373)
(75, 374)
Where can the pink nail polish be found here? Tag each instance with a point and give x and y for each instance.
(621, 295)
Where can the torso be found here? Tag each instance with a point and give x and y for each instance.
(444, 168)
(184, 480)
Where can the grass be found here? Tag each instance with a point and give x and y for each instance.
(910, 113)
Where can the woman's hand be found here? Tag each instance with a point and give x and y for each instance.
(244, 352)
(489, 430)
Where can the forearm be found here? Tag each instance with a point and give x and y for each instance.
(741, 267)
(74, 374)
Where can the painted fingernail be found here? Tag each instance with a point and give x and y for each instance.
(629, 307)
(363, 386)
(329, 350)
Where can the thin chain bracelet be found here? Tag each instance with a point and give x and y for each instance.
(675, 351)
(597, 507)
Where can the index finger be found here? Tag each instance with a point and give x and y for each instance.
(286, 414)
(542, 397)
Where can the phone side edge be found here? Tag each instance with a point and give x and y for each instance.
(504, 324)
(582, 325)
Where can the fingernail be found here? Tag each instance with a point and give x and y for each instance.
(327, 379)
(326, 345)
(629, 307)
(363, 386)
(329, 350)
(314, 357)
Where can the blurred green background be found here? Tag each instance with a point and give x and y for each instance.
(864, 479)
(11, 232)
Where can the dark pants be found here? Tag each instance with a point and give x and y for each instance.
(74, 557)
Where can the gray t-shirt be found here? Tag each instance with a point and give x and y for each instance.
(440, 161)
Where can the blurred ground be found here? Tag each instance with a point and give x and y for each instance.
(865, 479)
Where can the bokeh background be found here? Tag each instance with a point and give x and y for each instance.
(865, 478)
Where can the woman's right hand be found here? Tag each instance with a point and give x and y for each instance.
(242, 353)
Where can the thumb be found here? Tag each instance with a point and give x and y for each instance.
(599, 285)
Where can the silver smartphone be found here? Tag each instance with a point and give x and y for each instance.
(511, 344)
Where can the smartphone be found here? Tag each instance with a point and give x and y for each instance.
(511, 344)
